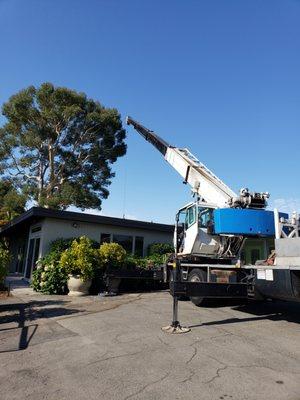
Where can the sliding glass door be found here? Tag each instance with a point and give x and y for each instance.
(32, 256)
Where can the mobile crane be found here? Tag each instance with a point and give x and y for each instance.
(210, 233)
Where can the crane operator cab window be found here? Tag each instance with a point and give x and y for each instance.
(190, 216)
(181, 222)
(205, 218)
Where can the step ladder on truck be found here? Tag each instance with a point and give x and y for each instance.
(210, 233)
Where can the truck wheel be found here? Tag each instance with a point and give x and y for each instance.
(198, 275)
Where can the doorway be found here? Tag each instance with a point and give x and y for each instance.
(32, 256)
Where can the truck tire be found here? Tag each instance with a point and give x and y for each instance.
(198, 275)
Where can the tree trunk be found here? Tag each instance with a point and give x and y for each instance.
(52, 172)
(40, 183)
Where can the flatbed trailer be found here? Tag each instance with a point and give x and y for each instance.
(254, 282)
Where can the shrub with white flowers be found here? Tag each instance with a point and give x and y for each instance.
(4, 261)
(49, 277)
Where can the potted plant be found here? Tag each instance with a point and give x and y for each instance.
(80, 261)
(112, 256)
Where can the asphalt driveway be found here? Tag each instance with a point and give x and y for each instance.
(53, 347)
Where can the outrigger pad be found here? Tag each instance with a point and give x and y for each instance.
(175, 329)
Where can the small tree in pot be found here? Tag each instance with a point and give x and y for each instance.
(80, 261)
(112, 256)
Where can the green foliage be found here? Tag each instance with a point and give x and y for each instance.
(58, 146)
(160, 249)
(81, 258)
(4, 262)
(112, 255)
(157, 259)
(50, 277)
(12, 203)
(60, 244)
(157, 255)
(145, 262)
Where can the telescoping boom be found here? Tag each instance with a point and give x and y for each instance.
(203, 181)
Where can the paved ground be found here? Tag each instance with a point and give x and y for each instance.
(53, 347)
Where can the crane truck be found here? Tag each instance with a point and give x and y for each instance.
(210, 233)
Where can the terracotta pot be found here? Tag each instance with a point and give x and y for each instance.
(77, 287)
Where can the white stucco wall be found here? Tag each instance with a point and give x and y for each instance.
(53, 229)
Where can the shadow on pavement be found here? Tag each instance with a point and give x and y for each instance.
(22, 312)
(274, 311)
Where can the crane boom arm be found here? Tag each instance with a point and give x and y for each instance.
(203, 181)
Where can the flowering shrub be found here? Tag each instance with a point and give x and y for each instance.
(49, 277)
(4, 262)
(112, 255)
(81, 258)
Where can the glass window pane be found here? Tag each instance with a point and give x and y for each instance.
(36, 229)
(36, 252)
(29, 258)
(125, 241)
(190, 216)
(139, 246)
(255, 255)
(105, 238)
(205, 217)
(21, 258)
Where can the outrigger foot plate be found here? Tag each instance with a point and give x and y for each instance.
(175, 329)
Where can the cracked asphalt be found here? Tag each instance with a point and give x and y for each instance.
(54, 347)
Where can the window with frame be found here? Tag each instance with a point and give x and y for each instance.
(139, 246)
(125, 241)
(36, 252)
(205, 216)
(105, 238)
(190, 218)
(36, 229)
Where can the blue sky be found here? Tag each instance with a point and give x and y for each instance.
(219, 77)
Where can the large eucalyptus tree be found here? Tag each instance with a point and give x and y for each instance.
(57, 146)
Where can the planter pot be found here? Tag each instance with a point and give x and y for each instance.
(113, 285)
(77, 287)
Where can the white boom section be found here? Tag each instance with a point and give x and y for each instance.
(203, 181)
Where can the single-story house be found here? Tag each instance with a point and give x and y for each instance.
(31, 233)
